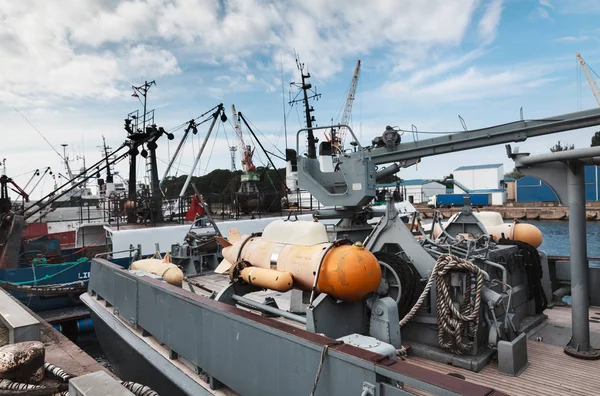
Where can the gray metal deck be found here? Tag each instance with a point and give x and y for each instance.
(210, 343)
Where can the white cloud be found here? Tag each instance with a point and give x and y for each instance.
(440, 68)
(546, 3)
(577, 6)
(543, 13)
(572, 39)
(474, 83)
(93, 49)
(488, 25)
(41, 64)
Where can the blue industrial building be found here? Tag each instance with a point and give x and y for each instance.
(530, 189)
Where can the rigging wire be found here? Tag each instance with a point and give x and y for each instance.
(175, 167)
(578, 83)
(263, 135)
(593, 71)
(38, 131)
(212, 148)
(26, 173)
(43, 184)
(284, 129)
(283, 104)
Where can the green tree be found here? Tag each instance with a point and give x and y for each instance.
(559, 146)
(515, 174)
(596, 139)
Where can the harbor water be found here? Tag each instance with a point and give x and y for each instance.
(556, 237)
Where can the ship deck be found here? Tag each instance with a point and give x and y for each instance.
(550, 370)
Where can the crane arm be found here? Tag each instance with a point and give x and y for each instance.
(246, 150)
(348, 107)
(589, 78)
(238, 128)
(354, 184)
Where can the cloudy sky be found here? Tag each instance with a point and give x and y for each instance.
(68, 66)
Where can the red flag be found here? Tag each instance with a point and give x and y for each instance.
(135, 95)
(195, 209)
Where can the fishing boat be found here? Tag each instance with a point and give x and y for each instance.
(362, 307)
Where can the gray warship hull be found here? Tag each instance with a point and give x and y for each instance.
(130, 358)
(178, 341)
(275, 357)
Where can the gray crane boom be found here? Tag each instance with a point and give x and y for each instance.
(517, 131)
(354, 183)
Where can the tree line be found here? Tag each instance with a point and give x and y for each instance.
(224, 182)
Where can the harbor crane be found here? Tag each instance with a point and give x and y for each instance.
(590, 79)
(247, 150)
(337, 139)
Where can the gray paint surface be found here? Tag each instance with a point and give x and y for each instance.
(249, 354)
(97, 384)
(20, 324)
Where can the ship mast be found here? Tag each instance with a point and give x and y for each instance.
(66, 161)
(109, 176)
(307, 94)
(143, 90)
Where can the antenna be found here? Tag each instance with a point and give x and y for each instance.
(307, 94)
(143, 89)
(283, 102)
(66, 161)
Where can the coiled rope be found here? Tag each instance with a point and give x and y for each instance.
(452, 322)
(138, 389)
(60, 374)
(57, 372)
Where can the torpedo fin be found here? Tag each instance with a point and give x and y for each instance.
(223, 268)
(222, 241)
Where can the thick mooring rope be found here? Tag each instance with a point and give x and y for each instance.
(6, 384)
(451, 322)
(138, 389)
(57, 372)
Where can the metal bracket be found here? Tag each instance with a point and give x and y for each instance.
(384, 323)
(368, 389)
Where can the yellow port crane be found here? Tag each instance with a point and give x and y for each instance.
(589, 78)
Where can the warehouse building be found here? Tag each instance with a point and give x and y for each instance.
(417, 190)
(481, 179)
(530, 189)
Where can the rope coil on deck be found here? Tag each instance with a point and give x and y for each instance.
(57, 372)
(138, 389)
(452, 322)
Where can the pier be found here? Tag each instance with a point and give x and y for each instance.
(20, 324)
(523, 211)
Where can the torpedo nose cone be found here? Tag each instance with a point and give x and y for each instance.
(349, 273)
(528, 233)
